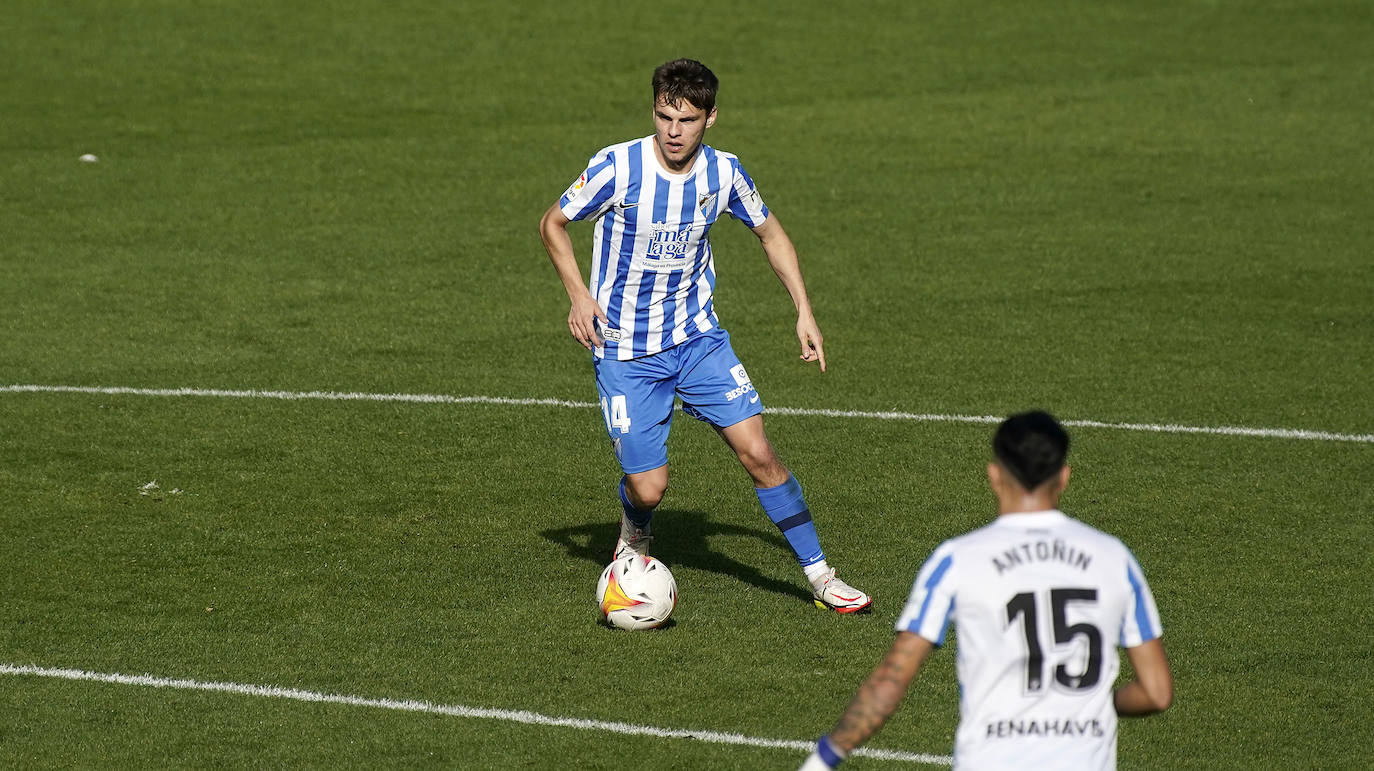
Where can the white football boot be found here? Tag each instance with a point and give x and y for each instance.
(633, 540)
(834, 594)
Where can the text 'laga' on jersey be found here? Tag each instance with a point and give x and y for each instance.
(669, 243)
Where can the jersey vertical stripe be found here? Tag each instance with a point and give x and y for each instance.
(653, 270)
(612, 234)
(647, 312)
(672, 281)
(697, 309)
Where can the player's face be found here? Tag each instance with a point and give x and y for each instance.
(678, 131)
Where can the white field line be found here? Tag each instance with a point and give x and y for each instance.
(1159, 428)
(457, 710)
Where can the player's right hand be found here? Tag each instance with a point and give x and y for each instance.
(812, 343)
(582, 322)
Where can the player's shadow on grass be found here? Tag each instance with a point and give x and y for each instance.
(683, 543)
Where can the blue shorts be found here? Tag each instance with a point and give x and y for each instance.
(637, 395)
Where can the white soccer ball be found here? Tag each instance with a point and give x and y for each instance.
(636, 592)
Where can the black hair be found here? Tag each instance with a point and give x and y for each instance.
(1032, 446)
(685, 79)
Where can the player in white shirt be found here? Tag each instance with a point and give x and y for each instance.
(649, 318)
(1040, 602)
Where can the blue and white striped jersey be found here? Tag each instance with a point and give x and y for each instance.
(652, 270)
(1040, 602)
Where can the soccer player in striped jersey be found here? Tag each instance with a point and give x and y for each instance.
(1040, 602)
(649, 319)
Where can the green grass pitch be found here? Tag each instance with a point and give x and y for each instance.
(1134, 213)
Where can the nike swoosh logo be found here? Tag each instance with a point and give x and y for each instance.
(753, 398)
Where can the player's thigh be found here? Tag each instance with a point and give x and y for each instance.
(637, 404)
(714, 386)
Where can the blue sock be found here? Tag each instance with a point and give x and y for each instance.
(785, 505)
(639, 517)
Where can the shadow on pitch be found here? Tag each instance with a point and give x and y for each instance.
(680, 540)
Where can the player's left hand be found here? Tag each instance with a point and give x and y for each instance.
(812, 344)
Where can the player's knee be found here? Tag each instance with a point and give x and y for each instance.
(650, 499)
(646, 493)
(764, 465)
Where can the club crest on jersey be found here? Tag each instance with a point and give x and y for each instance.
(704, 202)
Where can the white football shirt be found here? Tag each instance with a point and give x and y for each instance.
(1039, 602)
(652, 270)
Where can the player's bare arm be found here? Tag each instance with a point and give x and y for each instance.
(782, 256)
(1152, 690)
(880, 695)
(553, 229)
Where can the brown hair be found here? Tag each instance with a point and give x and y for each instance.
(685, 79)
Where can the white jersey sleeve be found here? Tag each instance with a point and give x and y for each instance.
(745, 204)
(928, 608)
(1141, 623)
(589, 196)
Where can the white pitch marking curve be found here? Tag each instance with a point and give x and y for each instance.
(457, 710)
(1159, 428)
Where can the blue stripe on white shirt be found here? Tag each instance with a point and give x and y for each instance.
(930, 587)
(653, 269)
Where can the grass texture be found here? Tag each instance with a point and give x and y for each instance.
(1120, 212)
